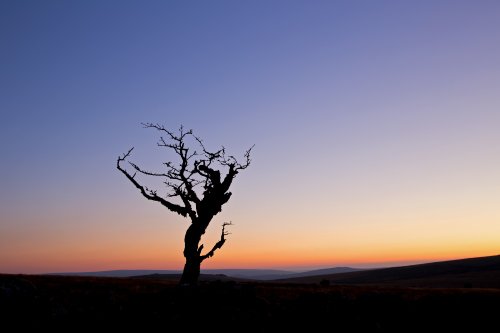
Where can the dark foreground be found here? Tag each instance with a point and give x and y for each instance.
(96, 304)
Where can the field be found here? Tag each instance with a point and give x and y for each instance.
(31, 302)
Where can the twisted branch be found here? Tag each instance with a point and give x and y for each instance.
(150, 194)
(217, 245)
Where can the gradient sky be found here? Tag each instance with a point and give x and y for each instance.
(376, 125)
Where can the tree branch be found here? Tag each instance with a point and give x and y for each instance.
(150, 194)
(234, 168)
(217, 245)
(179, 147)
(196, 167)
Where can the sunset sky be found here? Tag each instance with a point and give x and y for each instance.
(376, 127)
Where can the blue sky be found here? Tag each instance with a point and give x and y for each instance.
(366, 116)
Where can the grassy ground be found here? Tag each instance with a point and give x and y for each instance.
(90, 304)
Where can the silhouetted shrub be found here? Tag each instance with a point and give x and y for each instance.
(324, 283)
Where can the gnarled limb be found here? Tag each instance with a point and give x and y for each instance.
(217, 245)
(180, 174)
(150, 194)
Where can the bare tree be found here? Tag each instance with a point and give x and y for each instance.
(198, 185)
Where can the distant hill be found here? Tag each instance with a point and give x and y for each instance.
(482, 272)
(252, 274)
(326, 271)
(203, 277)
(119, 273)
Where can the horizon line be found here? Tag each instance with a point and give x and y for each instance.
(295, 269)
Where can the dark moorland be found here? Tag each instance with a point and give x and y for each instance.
(70, 303)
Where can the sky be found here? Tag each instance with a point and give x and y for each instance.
(375, 124)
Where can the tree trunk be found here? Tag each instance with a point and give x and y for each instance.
(191, 271)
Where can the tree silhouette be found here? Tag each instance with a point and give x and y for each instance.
(198, 183)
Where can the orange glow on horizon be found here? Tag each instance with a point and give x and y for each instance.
(227, 260)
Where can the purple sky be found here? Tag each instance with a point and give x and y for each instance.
(376, 125)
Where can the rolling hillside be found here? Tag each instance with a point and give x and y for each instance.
(482, 272)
